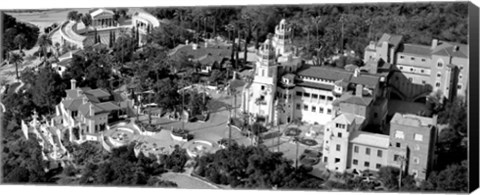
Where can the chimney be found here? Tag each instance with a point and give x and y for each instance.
(186, 42)
(92, 111)
(371, 45)
(206, 44)
(194, 46)
(73, 84)
(359, 90)
(434, 43)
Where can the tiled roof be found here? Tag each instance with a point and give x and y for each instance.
(99, 93)
(364, 101)
(65, 62)
(415, 49)
(412, 120)
(72, 105)
(336, 74)
(370, 139)
(100, 11)
(448, 49)
(366, 80)
(391, 39)
(345, 118)
(328, 73)
(107, 106)
(314, 85)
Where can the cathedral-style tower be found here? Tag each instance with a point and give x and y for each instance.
(282, 39)
(261, 94)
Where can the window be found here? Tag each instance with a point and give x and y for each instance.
(263, 87)
(315, 96)
(440, 64)
(305, 107)
(355, 149)
(396, 157)
(367, 151)
(366, 164)
(379, 153)
(424, 82)
(398, 145)
(399, 135)
(401, 67)
(263, 73)
(460, 76)
(330, 98)
(329, 111)
(339, 135)
(378, 166)
(325, 159)
(412, 58)
(459, 86)
(411, 69)
(314, 109)
(422, 71)
(437, 84)
(306, 94)
(355, 161)
(418, 137)
(423, 60)
(439, 74)
(338, 147)
(299, 93)
(340, 125)
(322, 97)
(401, 57)
(320, 110)
(415, 173)
(298, 106)
(337, 160)
(416, 160)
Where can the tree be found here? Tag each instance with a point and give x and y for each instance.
(453, 178)
(21, 41)
(72, 16)
(48, 90)
(216, 76)
(167, 95)
(16, 59)
(258, 129)
(87, 20)
(44, 42)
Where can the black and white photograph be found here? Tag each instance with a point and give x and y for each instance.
(327, 97)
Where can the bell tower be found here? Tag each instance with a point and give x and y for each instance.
(282, 38)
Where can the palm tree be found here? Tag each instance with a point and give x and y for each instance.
(44, 42)
(296, 139)
(343, 19)
(279, 108)
(16, 59)
(20, 40)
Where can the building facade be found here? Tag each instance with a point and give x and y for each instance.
(91, 110)
(412, 144)
(422, 69)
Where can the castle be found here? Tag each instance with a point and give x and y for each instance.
(352, 103)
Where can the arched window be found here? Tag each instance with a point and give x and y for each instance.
(440, 63)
